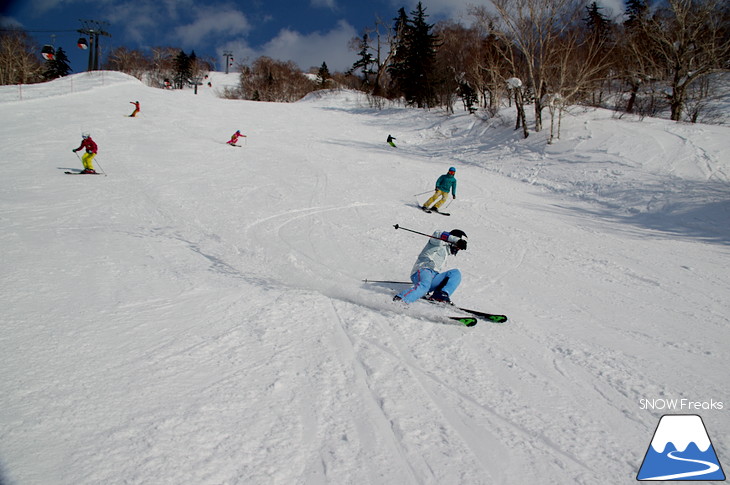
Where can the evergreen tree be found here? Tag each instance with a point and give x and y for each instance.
(323, 75)
(183, 69)
(398, 61)
(412, 66)
(423, 55)
(58, 66)
(636, 11)
(365, 60)
(596, 22)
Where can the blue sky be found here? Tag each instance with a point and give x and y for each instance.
(307, 32)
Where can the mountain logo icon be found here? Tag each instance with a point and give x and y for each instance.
(680, 450)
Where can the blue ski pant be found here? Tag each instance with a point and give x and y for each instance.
(427, 280)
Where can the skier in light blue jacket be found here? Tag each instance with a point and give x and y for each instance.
(426, 274)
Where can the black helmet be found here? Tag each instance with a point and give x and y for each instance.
(461, 243)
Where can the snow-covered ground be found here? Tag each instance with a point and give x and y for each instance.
(198, 315)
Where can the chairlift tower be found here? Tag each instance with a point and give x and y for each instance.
(229, 59)
(94, 28)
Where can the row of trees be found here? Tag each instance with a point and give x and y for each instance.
(561, 52)
(550, 54)
(162, 67)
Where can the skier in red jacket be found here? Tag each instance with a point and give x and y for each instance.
(235, 138)
(88, 157)
(136, 108)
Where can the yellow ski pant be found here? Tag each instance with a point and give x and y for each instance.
(87, 159)
(443, 195)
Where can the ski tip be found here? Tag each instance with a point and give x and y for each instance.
(469, 322)
(466, 321)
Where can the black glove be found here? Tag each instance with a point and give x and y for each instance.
(461, 244)
(74, 150)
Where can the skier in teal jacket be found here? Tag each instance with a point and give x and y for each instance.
(445, 184)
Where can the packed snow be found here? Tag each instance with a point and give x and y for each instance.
(197, 313)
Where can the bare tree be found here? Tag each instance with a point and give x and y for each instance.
(534, 27)
(384, 50)
(577, 65)
(19, 62)
(271, 80)
(459, 59)
(132, 62)
(496, 62)
(162, 66)
(687, 40)
(514, 86)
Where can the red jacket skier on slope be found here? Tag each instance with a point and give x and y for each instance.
(235, 137)
(88, 157)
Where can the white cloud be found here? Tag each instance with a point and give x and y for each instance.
(9, 23)
(138, 20)
(42, 6)
(212, 22)
(440, 9)
(305, 50)
(613, 9)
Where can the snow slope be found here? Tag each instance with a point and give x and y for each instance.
(198, 315)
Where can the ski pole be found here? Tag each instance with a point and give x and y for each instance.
(415, 232)
(423, 193)
(389, 282)
(99, 165)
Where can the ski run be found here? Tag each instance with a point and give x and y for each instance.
(199, 315)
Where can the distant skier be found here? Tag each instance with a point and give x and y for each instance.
(235, 137)
(426, 274)
(87, 158)
(445, 184)
(136, 109)
(390, 141)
